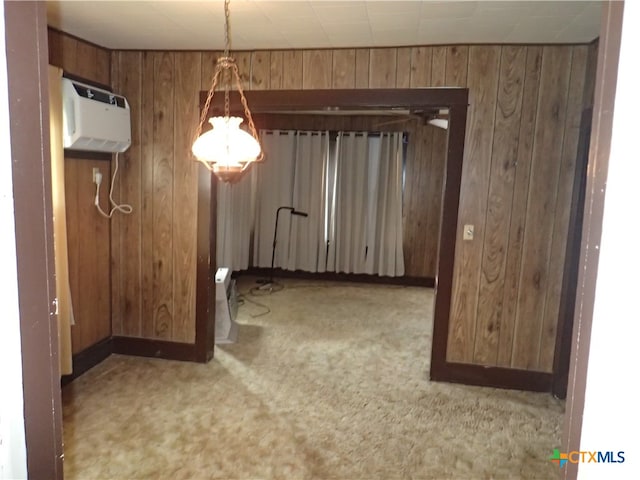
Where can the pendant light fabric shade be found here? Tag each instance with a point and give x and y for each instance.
(227, 150)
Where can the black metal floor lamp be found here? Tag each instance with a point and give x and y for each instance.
(275, 238)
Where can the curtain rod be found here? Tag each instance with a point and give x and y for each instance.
(333, 133)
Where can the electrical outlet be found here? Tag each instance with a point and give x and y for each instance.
(467, 232)
(95, 172)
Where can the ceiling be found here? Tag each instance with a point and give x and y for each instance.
(260, 24)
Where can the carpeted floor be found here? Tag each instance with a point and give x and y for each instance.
(332, 384)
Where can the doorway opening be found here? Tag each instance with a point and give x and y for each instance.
(453, 100)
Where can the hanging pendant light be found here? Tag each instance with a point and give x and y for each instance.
(226, 149)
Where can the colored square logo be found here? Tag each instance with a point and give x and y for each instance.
(558, 458)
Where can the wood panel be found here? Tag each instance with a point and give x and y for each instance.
(344, 68)
(412, 174)
(421, 247)
(500, 201)
(420, 67)
(79, 58)
(130, 234)
(403, 68)
(382, 68)
(316, 69)
(432, 197)
(103, 67)
(162, 195)
(363, 62)
(69, 54)
(457, 64)
(482, 81)
(438, 67)
(243, 60)
(275, 70)
(208, 66)
(86, 60)
(562, 207)
(292, 70)
(541, 205)
(260, 70)
(590, 74)
(55, 47)
(88, 241)
(117, 298)
(519, 204)
(187, 78)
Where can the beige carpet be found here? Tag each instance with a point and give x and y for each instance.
(332, 384)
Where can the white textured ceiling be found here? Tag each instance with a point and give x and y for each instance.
(261, 24)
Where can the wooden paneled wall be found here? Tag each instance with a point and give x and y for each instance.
(88, 240)
(424, 171)
(519, 152)
(88, 233)
(154, 254)
(79, 58)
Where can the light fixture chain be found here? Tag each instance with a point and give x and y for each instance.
(227, 36)
(226, 96)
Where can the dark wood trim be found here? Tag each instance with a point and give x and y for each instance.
(28, 101)
(497, 377)
(456, 99)
(205, 266)
(145, 347)
(87, 155)
(133, 346)
(89, 358)
(428, 282)
(566, 311)
(93, 83)
(447, 244)
(599, 150)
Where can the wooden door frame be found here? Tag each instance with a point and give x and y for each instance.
(598, 167)
(414, 99)
(27, 75)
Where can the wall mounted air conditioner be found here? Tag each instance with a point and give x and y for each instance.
(94, 119)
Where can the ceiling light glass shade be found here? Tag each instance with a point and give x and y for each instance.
(226, 145)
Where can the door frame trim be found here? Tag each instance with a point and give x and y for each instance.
(274, 101)
(27, 74)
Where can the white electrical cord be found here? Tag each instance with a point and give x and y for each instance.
(122, 208)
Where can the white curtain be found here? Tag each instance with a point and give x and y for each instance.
(236, 209)
(351, 191)
(367, 220)
(274, 189)
(307, 244)
(347, 249)
(384, 218)
(61, 251)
